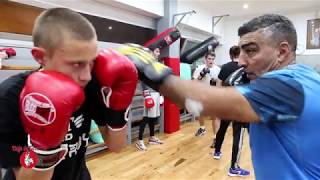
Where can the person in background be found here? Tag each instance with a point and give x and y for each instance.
(6, 53)
(151, 111)
(208, 74)
(237, 127)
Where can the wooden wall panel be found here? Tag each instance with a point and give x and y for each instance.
(120, 32)
(17, 18)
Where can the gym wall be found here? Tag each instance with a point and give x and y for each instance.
(19, 19)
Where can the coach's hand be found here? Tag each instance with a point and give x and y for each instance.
(150, 70)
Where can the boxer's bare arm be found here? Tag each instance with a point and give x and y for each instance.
(219, 83)
(23, 173)
(115, 140)
(223, 102)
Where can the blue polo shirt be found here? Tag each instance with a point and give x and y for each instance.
(286, 143)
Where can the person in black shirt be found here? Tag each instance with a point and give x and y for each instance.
(238, 127)
(66, 44)
(13, 135)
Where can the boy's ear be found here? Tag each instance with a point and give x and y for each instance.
(38, 54)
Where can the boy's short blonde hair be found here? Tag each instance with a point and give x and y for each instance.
(55, 25)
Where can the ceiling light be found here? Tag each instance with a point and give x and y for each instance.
(110, 27)
(245, 6)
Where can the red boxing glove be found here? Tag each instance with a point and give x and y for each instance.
(9, 51)
(148, 100)
(47, 102)
(118, 78)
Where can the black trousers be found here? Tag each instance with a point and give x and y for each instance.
(238, 130)
(143, 123)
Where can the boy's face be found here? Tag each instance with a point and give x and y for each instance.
(209, 61)
(156, 53)
(74, 58)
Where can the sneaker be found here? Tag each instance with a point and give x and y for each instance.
(217, 155)
(155, 141)
(238, 172)
(200, 132)
(213, 143)
(140, 146)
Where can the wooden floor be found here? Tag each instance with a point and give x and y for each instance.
(183, 156)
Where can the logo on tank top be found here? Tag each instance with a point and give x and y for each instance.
(38, 109)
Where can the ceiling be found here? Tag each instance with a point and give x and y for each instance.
(235, 7)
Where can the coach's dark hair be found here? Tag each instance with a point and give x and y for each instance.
(281, 28)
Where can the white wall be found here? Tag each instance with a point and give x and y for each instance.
(230, 37)
(151, 6)
(201, 20)
(300, 22)
(199, 24)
